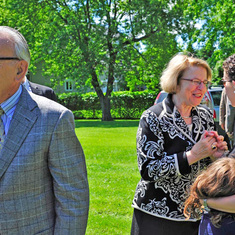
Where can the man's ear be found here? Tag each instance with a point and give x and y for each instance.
(22, 68)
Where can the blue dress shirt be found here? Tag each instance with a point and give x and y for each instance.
(8, 107)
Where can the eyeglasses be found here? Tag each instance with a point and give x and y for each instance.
(9, 58)
(224, 81)
(197, 82)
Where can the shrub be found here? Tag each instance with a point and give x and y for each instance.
(124, 104)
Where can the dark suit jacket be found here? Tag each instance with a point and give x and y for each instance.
(43, 91)
(43, 178)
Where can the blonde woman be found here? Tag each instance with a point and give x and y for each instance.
(175, 141)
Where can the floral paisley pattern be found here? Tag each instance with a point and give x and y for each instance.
(166, 176)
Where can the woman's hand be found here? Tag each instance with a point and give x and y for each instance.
(221, 147)
(203, 148)
(211, 144)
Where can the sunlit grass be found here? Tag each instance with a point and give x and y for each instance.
(110, 150)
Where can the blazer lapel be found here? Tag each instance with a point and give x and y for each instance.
(21, 123)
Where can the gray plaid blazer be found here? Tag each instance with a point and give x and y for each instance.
(43, 177)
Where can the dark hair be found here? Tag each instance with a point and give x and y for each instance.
(229, 67)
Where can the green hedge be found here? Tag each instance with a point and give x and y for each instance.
(124, 104)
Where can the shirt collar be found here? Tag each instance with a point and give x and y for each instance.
(8, 104)
(26, 84)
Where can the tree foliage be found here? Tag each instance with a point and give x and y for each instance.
(214, 38)
(129, 40)
(84, 39)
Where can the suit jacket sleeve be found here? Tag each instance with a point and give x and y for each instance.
(43, 91)
(222, 108)
(68, 170)
(50, 94)
(230, 118)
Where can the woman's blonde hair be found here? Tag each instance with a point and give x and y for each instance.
(178, 64)
(218, 180)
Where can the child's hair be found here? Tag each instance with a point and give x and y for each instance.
(217, 180)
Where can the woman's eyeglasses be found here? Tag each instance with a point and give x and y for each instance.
(197, 82)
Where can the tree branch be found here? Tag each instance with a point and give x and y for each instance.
(128, 42)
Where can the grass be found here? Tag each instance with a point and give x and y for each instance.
(110, 150)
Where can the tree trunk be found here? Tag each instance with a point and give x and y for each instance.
(104, 99)
(106, 107)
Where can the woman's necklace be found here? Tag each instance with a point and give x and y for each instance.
(186, 116)
(182, 131)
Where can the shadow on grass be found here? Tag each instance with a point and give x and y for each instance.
(106, 124)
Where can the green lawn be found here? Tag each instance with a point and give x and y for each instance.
(110, 150)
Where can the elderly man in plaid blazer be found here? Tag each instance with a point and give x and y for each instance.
(43, 178)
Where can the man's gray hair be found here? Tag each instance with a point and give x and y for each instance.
(20, 43)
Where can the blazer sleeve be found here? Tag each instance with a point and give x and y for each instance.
(50, 94)
(230, 118)
(43, 91)
(69, 176)
(153, 161)
(222, 108)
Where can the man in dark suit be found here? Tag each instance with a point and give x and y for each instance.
(39, 89)
(43, 177)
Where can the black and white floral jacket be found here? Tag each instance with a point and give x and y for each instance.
(162, 138)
